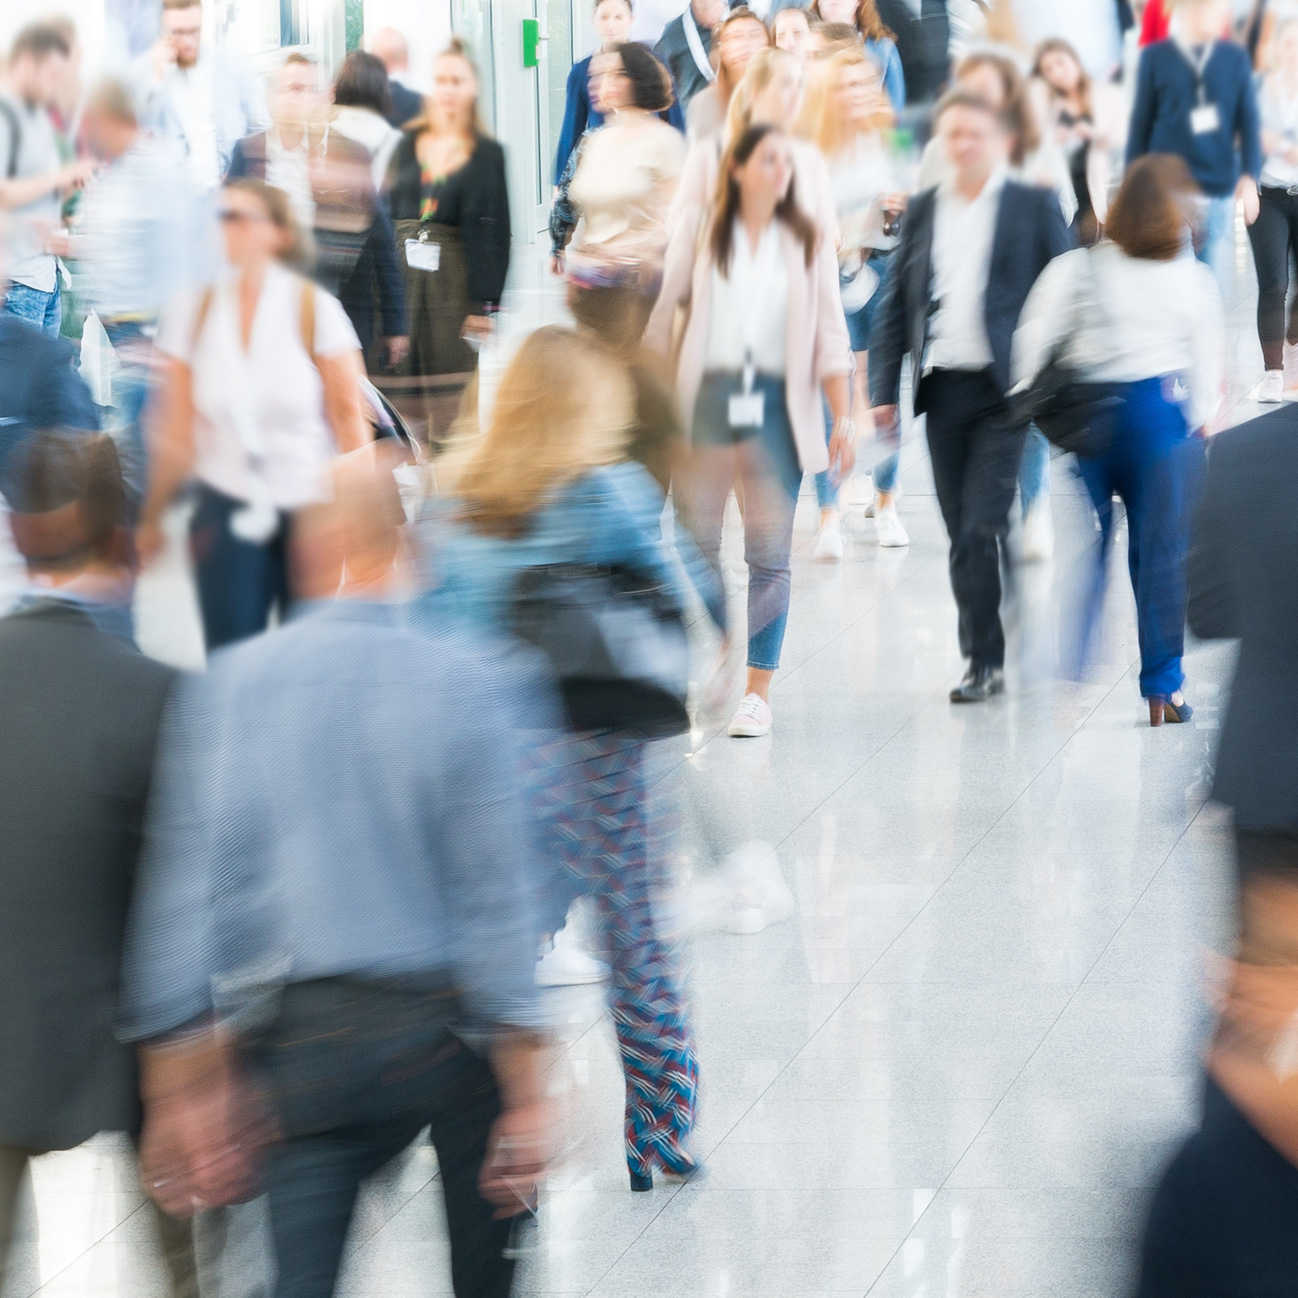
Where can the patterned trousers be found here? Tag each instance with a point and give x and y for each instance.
(591, 791)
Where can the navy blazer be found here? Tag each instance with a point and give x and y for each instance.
(407, 104)
(1030, 231)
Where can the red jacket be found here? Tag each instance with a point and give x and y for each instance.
(1155, 22)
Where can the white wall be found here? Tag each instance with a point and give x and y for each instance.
(426, 25)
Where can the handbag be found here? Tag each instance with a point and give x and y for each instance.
(1075, 413)
(616, 641)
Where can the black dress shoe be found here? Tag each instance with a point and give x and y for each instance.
(979, 683)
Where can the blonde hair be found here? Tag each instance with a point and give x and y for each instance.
(761, 72)
(821, 121)
(563, 407)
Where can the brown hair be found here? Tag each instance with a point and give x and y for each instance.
(295, 58)
(1056, 45)
(182, 4)
(726, 203)
(1150, 212)
(280, 210)
(959, 97)
(1019, 118)
(112, 99)
(740, 13)
(651, 83)
(38, 41)
(866, 20)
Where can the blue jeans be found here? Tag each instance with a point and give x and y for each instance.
(763, 464)
(1218, 229)
(43, 309)
(1034, 470)
(354, 1070)
(130, 392)
(1155, 466)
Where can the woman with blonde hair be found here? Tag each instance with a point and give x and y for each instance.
(547, 484)
(879, 42)
(736, 39)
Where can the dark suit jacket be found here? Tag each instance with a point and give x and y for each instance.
(923, 41)
(1030, 230)
(81, 714)
(673, 50)
(407, 104)
(1244, 585)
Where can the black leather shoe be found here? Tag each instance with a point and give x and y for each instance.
(979, 683)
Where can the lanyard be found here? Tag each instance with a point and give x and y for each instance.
(695, 42)
(1198, 65)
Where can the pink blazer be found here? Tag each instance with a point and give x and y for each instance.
(817, 345)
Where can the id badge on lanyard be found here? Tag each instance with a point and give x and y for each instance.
(1204, 117)
(748, 408)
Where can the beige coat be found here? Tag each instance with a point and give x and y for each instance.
(817, 345)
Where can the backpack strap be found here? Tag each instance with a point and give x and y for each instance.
(200, 319)
(15, 137)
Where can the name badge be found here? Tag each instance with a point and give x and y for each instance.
(423, 255)
(1204, 119)
(748, 410)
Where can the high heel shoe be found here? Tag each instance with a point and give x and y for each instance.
(1163, 709)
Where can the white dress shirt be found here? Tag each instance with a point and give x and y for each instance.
(750, 305)
(290, 170)
(192, 92)
(963, 232)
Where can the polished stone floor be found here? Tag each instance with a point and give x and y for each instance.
(958, 1068)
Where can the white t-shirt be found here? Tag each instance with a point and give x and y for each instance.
(192, 92)
(260, 430)
(750, 306)
(1279, 113)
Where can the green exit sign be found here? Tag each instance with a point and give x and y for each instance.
(531, 42)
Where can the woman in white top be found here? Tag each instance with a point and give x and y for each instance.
(764, 337)
(1274, 235)
(261, 389)
(1142, 313)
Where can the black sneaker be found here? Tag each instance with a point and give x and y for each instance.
(979, 683)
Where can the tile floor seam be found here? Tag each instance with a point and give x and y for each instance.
(43, 1285)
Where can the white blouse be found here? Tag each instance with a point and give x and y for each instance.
(260, 430)
(750, 305)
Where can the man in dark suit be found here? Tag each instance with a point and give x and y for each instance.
(390, 48)
(686, 45)
(81, 709)
(970, 252)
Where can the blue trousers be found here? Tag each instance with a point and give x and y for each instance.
(131, 392)
(42, 309)
(1155, 467)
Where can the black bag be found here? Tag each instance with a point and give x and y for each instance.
(1075, 413)
(616, 641)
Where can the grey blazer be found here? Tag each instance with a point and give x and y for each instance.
(81, 711)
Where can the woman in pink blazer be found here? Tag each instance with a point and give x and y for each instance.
(763, 337)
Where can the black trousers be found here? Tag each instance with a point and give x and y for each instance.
(1274, 236)
(975, 453)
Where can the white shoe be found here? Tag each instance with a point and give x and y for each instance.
(1270, 391)
(566, 965)
(888, 529)
(829, 541)
(757, 893)
(1038, 533)
(753, 720)
(1290, 366)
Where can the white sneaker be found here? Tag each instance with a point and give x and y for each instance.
(1038, 533)
(888, 529)
(1290, 366)
(753, 720)
(566, 965)
(1270, 391)
(829, 541)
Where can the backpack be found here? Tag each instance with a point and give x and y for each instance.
(15, 137)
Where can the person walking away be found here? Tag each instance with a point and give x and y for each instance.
(765, 336)
(390, 48)
(686, 48)
(412, 929)
(33, 178)
(849, 129)
(973, 247)
(1221, 1219)
(1159, 333)
(82, 710)
(739, 36)
(449, 192)
(878, 41)
(200, 95)
(1195, 98)
(260, 389)
(362, 104)
(1274, 235)
(547, 484)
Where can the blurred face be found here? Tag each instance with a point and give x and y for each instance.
(859, 93)
(708, 13)
(38, 81)
(1061, 71)
(108, 137)
(296, 103)
(986, 83)
(793, 32)
(974, 141)
(613, 21)
(455, 87)
(250, 235)
(739, 42)
(610, 88)
(778, 103)
(838, 11)
(182, 29)
(764, 179)
(1285, 50)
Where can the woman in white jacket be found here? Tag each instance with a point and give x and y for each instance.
(1146, 316)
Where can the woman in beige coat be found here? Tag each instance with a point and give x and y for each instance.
(764, 336)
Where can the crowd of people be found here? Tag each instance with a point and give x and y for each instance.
(289, 912)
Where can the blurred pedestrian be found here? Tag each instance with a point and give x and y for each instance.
(1195, 98)
(737, 38)
(82, 709)
(34, 178)
(450, 206)
(411, 928)
(545, 485)
(922, 32)
(764, 337)
(612, 20)
(878, 41)
(791, 30)
(362, 104)
(1274, 235)
(389, 46)
(1152, 323)
(686, 48)
(970, 251)
(201, 95)
(260, 388)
